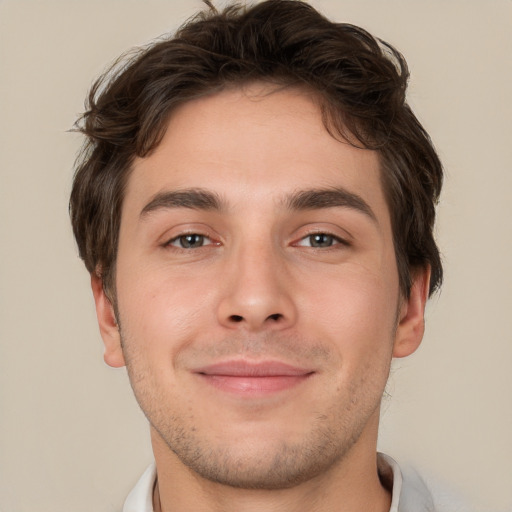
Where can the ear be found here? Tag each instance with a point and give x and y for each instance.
(108, 324)
(411, 325)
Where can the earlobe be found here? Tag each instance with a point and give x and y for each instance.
(108, 324)
(411, 325)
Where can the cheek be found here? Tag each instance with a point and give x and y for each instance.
(355, 309)
(161, 313)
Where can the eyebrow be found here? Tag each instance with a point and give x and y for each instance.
(316, 199)
(196, 199)
(312, 199)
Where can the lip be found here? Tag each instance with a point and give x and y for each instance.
(253, 378)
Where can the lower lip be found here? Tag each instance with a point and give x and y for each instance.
(249, 386)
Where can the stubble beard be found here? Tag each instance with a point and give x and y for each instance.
(277, 465)
(272, 463)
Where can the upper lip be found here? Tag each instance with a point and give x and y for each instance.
(238, 368)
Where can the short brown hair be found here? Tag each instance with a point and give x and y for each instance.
(359, 80)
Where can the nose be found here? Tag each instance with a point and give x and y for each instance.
(256, 293)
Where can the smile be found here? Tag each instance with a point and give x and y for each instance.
(244, 378)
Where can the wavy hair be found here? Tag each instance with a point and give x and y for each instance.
(360, 82)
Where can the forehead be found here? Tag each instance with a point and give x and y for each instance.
(253, 143)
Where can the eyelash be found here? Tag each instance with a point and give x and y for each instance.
(181, 238)
(180, 241)
(335, 240)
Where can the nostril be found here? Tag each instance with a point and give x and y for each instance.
(238, 318)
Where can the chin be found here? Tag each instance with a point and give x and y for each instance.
(263, 461)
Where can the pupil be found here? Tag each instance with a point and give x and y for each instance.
(189, 241)
(321, 240)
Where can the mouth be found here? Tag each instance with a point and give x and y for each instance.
(253, 378)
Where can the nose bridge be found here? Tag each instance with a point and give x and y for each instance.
(257, 288)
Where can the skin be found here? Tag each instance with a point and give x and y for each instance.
(311, 285)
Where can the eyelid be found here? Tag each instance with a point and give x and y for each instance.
(209, 238)
(337, 240)
(343, 238)
(176, 239)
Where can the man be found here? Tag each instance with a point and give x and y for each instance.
(255, 205)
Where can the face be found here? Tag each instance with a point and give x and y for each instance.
(257, 291)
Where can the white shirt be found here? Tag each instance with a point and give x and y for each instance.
(409, 494)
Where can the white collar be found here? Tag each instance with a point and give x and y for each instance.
(411, 497)
(140, 498)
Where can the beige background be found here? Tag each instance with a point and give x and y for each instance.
(71, 435)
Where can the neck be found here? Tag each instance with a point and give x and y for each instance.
(351, 484)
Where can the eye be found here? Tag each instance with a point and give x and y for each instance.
(190, 241)
(320, 241)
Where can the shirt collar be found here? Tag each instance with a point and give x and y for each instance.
(409, 491)
(410, 495)
(391, 478)
(140, 498)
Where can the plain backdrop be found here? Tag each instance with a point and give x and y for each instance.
(71, 436)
